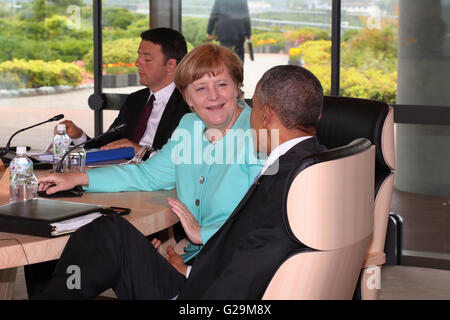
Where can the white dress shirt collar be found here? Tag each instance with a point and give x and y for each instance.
(281, 150)
(162, 96)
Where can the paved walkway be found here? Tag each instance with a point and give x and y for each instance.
(21, 112)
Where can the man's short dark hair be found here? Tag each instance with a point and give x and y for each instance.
(171, 41)
(294, 93)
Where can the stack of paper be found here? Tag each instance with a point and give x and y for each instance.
(70, 225)
(45, 155)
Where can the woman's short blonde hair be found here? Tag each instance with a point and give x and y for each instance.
(211, 59)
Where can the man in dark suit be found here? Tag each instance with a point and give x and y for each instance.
(238, 261)
(160, 51)
(230, 22)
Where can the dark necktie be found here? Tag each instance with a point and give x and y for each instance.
(143, 119)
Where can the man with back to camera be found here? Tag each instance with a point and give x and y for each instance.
(239, 260)
(160, 50)
(230, 23)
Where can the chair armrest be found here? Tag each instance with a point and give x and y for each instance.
(374, 259)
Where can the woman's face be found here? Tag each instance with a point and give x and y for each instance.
(213, 99)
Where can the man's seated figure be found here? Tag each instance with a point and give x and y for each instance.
(151, 114)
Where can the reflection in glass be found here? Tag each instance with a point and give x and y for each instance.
(229, 22)
(282, 31)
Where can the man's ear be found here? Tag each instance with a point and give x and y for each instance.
(267, 115)
(171, 65)
(319, 117)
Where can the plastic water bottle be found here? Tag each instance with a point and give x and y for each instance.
(61, 142)
(23, 185)
(19, 162)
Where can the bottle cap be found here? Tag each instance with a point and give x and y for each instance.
(21, 150)
(61, 127)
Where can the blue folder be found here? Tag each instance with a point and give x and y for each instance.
(108, 155)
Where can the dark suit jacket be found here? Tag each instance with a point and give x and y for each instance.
(230, 19)
(239, 261)
(131, 110)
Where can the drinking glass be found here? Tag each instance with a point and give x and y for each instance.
(75, 161)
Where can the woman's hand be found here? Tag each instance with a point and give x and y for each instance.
(188, 222)
(55, 182)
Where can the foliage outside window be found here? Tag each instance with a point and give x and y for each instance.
(45, 32)
(368, 63)
(45, 35)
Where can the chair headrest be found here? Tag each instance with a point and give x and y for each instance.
(345, 119)
(329, 197)
(353, 147)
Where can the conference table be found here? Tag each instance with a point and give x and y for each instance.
(150, 213)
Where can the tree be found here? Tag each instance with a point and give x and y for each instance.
(39, 10)
(194, 30)
(117, 17)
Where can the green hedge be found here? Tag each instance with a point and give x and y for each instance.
(356, 81)
(194, 30)
(114, 52)
(365, 84)
(47, 40)
(38, 73)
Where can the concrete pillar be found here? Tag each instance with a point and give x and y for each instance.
(423, 151)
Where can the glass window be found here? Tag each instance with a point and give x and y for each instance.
(281, 32)
(123, 22)
(42, 67)
(369, 31)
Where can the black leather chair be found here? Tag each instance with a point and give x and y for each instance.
(343, 120)
(107, 101)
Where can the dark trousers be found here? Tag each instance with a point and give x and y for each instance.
(37, 276)
(111, 253)
(237, 46)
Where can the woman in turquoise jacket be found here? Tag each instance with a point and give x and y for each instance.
(210, 158)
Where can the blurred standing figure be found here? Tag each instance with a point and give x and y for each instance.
(230, 22)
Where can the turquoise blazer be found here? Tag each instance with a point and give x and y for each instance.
(210, 179)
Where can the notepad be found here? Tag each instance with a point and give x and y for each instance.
(108, 155)
(38, 216)
(71, 225)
